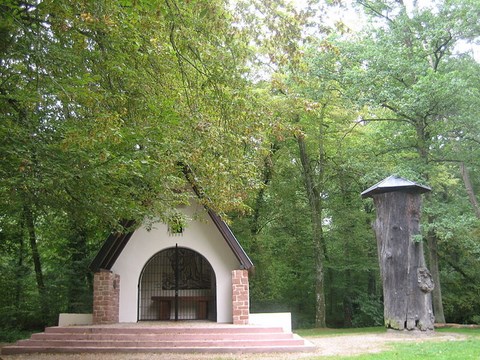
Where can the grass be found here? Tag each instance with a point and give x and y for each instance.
(464, 331)
(444, 350)
(331, 332)
(375, 330)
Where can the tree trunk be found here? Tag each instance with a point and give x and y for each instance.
(37, 264)
(260, 200)
(469, 188)
(78, 290)
(407, 283)
(437, 299)
(314, 199)
(437, 291)
(32, 237)
(347, 299)
(20, 271)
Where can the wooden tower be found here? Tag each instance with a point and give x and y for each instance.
(407, 283)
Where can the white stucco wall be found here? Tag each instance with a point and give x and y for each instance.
(201, 236)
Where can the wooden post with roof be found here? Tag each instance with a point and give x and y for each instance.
(407, 283)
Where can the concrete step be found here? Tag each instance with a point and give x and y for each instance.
(158, 343)
(109, 329)
(14, 350)
(213, 339)
(159, 337)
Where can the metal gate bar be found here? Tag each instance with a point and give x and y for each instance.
(179, 282)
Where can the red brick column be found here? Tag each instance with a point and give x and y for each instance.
(240, 297)
(106, 291)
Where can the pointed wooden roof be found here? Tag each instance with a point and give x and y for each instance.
(116, 242)
(112, 248)
(395, 183)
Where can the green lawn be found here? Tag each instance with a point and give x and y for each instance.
(331, 332)
(446, 350)
(438, 350)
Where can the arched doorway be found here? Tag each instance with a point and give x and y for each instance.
(177, 284)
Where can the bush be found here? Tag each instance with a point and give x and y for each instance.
(10, 335)
(368, 311)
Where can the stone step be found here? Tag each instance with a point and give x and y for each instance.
(157, 337)
(158, 343)
(213, 339)
(14, 350)
(163, 329)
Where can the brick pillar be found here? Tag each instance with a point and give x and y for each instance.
(106, 291)
(240, 297)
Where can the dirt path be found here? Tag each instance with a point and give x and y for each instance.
(326, 346)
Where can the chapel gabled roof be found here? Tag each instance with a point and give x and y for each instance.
(116, 242)
(112, 247)
(231, 240)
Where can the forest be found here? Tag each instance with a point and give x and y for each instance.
(283, 113)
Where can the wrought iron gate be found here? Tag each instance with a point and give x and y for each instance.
(177, 284)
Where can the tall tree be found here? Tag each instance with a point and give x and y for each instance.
(408, 69)
(102, 105)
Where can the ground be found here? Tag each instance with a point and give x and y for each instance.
(326, 346)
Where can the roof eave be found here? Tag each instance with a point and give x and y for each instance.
(394, 183)
(232, 241)
(112, 248)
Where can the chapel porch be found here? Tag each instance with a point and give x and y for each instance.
(161, 337)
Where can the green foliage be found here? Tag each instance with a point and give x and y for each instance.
(102, 105)
(389, 101)
(370, 311)
(415, 92)
(176, 222)
(10, 335)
